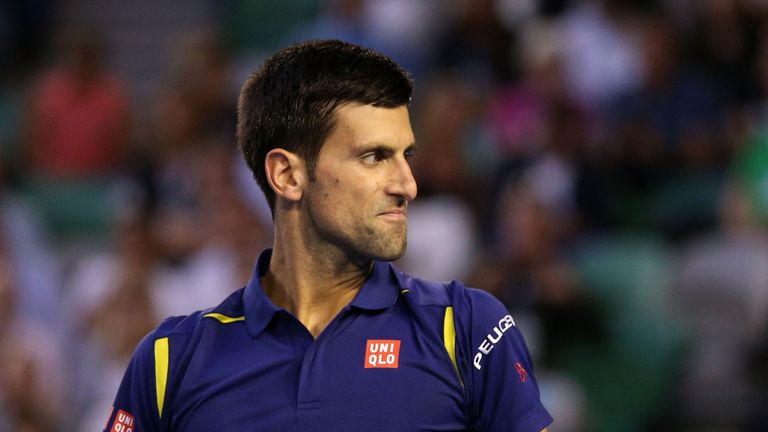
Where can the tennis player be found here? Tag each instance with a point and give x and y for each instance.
(328, 335)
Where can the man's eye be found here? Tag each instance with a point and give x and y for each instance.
(371, 158)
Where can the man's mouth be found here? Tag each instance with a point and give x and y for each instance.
(397, 214)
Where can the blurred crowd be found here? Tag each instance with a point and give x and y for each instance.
(600, 165)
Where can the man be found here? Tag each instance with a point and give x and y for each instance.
(327, 335)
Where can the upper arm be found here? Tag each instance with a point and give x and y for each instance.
(503, 392)
(136, 403)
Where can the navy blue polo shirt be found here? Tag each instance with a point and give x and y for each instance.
(405, 355)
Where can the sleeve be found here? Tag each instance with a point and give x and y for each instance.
(497, 367)
(135, 408)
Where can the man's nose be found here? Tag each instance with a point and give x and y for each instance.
(403, 183)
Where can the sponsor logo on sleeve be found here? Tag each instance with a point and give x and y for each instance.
(382, 353)
(124, 422)
(490, 341)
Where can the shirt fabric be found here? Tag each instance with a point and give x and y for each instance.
(405, 355)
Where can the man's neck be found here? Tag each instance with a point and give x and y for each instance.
(312, 285)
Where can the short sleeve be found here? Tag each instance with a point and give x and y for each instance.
(496, 366)
(135, 408)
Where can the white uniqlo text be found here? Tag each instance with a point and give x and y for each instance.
(382, 354)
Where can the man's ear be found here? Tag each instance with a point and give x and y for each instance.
(286, 174)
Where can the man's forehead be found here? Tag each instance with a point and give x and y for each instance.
(366, 125)
(371, 123)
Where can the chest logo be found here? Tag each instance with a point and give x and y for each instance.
(382, 353)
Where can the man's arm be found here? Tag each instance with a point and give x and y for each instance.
(136, 404)
(497, 367)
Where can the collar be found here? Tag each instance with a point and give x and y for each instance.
(379, 292)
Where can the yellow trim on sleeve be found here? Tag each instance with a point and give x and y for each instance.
(223, 318)
(161, 372)
(449, 338)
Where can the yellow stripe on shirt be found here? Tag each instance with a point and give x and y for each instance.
(449, 338)
(161, 372)
(223, 318)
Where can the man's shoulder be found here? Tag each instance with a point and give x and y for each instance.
(423, 291)
(443, 293)
(469, 304)
(228, 311)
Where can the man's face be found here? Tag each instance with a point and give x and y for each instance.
(363, 183)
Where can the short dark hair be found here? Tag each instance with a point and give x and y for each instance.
(291, 101)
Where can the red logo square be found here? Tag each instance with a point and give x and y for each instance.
(382, 353)
(124, 422)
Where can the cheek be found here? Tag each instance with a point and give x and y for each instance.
(345, 197)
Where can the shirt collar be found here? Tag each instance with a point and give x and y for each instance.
(259, 309)
(380, 291)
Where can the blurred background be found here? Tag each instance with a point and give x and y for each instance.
(599, 165)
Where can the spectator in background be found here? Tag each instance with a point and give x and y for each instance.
(601, 52)
(721, 297)
(75, 134)
(31, 369)
(77, 120)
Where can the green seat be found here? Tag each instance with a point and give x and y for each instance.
(627, 377)
(72, 209)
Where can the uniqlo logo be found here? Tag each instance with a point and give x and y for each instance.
(382, 354)
(124, 422)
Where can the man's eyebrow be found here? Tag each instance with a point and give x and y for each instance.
(379, 146)
(372, 146)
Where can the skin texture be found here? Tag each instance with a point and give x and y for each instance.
(330, 226)
(363, 182)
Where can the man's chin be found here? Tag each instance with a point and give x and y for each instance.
(378, 245)
(391, 255)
